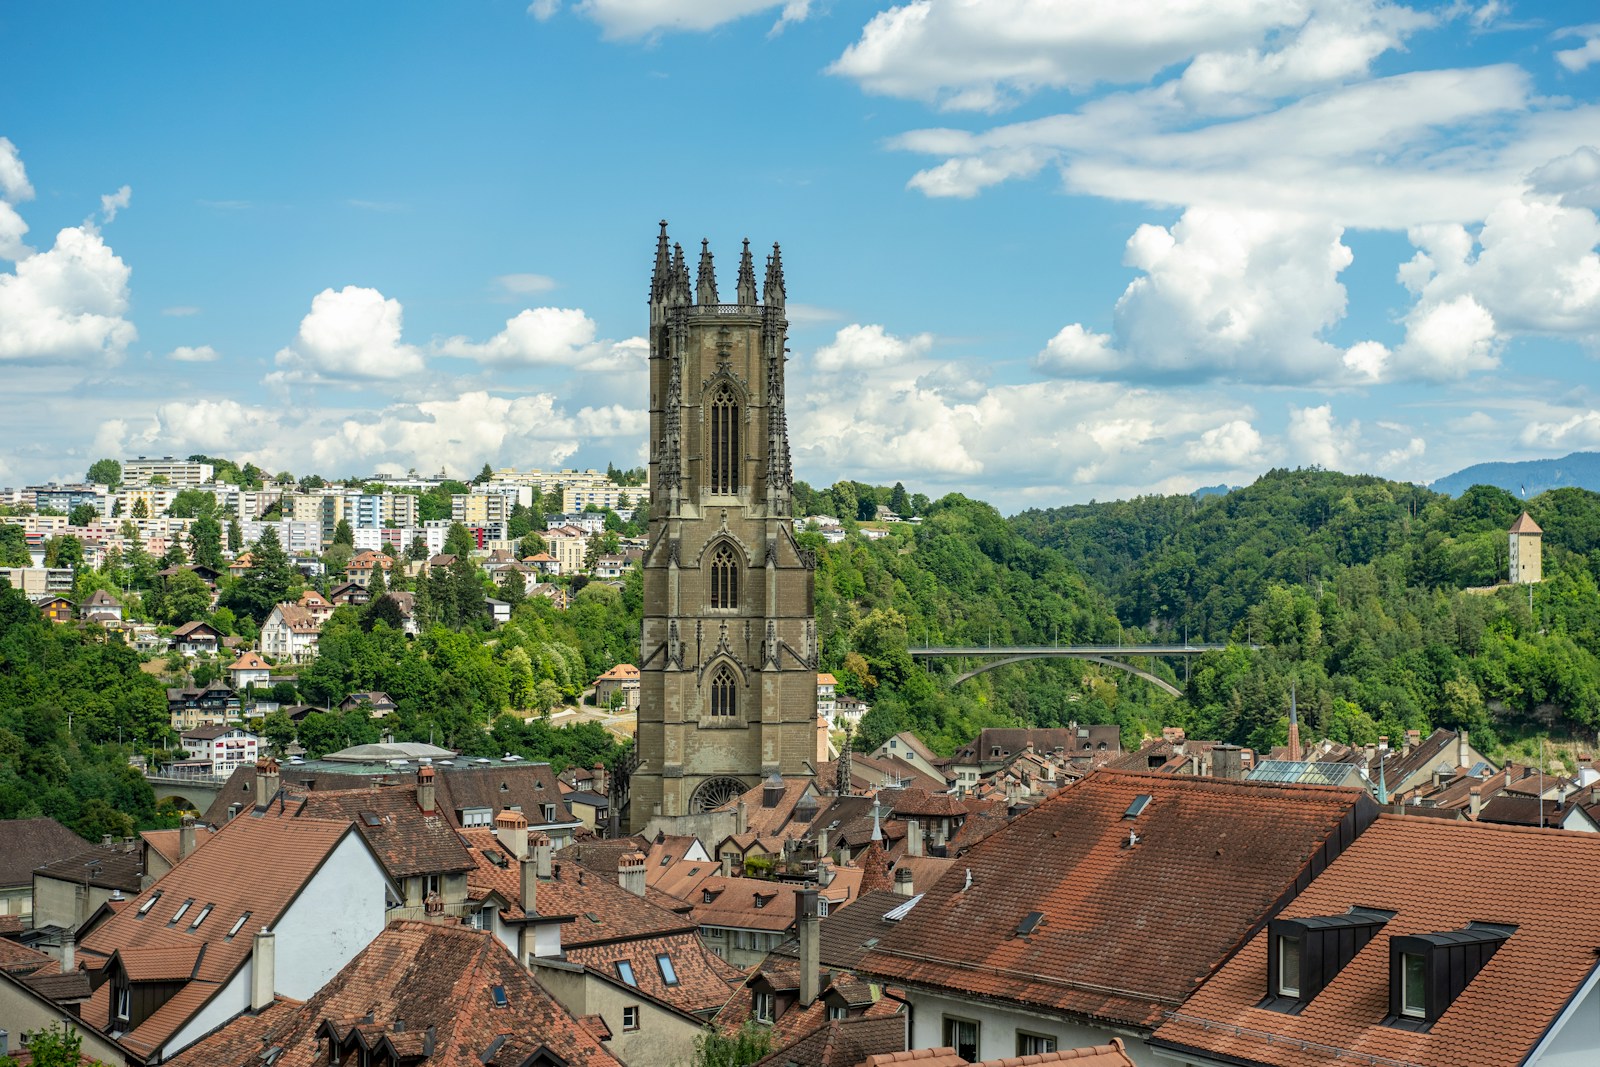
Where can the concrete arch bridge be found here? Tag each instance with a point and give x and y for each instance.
(1107, 655)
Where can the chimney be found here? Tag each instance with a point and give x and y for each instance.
(913, 837)
(185, 837)
(426, 789)
(530, 886)
(809, 926)
(630, 873)
(727, 865)
(105, 840)
(1294, 728)
(539, 846)
(266, 781)
(511, 830)
(903, 883)
(69, 951)
(1372, 754)
(739, 819)
(1383, 743)
(772, 791)
(600, 783)
(263, 970)
(1463, 753)
(1413, 739)
(1227, 761)
(822, 844)
(1476, 804)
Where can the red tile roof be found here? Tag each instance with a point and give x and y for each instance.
(1127, 930)
(407, 840)
(430, 990)
(704, 983)
(1435, 876)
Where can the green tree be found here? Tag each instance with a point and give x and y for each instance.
(899, 502)
(343, 534)
(13, 546)
(192, 503)
(185, 598)
(235, 537)
(141, 510)
(60, 1045)
(511, 588)
(752, 1042)
(270, 580)
(106, 472)
(83, 514)
(63, 551)
(484, 476)
(205, 542)
(417, 551)
(531, 545)
(458, 541)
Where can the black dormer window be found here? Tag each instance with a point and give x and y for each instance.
(1428, 971)
(1305, 954)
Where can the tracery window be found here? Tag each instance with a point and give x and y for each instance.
(724, 472)
(724, 692)
(724, 578)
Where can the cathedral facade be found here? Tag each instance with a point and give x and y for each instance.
(728, 649)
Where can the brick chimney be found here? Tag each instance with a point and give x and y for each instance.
(903, 882)
(913, 837)
(266, 781)
(1476, 803)
(1463, 752)
(511, 830)
(630, 873)
(426, 795)
(263, 970)
(809, 926)
(185, 837)
(601, 782)
(539, 846)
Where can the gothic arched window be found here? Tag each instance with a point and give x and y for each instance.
(724, 692)
(724, 578)
(724, 469)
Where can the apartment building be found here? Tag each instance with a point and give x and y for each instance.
(179, 473)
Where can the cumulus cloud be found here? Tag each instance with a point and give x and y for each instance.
(550, 337)
(350, 335)
(524, 284)
(211, 425)
(1235, 444)
(621, 19)
(1580, 58)
(196, 354)
(1316, 438)
(1574, 178)
(1580, 430)
(14, 185)
(858, 347)
(67, 303)
(1075, 351)
(112, 203)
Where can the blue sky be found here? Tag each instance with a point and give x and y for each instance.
(1038, 251)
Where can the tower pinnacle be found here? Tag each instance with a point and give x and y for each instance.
(706, 288)
(773, 291)
(747, 277)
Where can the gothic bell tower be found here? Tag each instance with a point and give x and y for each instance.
(728, 652)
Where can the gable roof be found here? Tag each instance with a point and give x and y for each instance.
(524, 785)
(210, 876)
(842, 1043)
(29, 843)
(407, 840)
(250, 661)
(703, 981)
(1435, 876)
(426, 994)
(1208, 857)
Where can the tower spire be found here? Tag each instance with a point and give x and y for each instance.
(773, 292)
(680, 276)
(706, 287)
(747, 277)
(659, 279)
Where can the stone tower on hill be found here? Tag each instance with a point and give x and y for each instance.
(728, 653)
(1526, 551)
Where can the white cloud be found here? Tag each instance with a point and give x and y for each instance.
(197, 354)
(180, 311)
(524, 284)
(643, 18)
(1574, 178)
(12, 229)
(1448, 339)
(1581, 58)
(1581, 430)
(66, 304)
(211, 425)
(550, 337)
(1075, 351)
(544, 10)
(112, 203)
(352, 334)
(1315, 438)
(1235, 444)
(14, 185)
(858, 347)
(1402, 460)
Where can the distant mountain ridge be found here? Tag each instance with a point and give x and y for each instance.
(1580, 469)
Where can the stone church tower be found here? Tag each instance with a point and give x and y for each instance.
(728, 655)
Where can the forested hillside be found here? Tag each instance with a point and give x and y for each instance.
(1354, 586)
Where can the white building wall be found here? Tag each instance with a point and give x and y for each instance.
(1576, 1041)
(337, 915)
(998, 1027)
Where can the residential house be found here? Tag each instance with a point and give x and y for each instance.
(24, 845)
(55, 608)
(908, 747)
(249, 669)
(165, 849)
(420, 995)
(827, 690)
(268, 907)
(568, 545)
(1098, 912)
(499, 611)
(37, 1002)
(319, 607)
(67, 891)
(473, 795)
(378, 704)
(290, 634)
(610, 566)
(621, 681)
(225, 747)
(543, 563)
(362, 565)
(201, 706)
(196, 639)
(102, 607)
(556, 594)
(849, 709)
(994, 748)
(351, 593)
(1423, 942)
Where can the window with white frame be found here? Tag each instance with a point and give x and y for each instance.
(630, 1018)
(765, 1007)
(962, 1035)
(1030, 1044)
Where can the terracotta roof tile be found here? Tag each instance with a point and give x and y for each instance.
(416, 980)
(1435, 876)
(407, 840)
(1211, 858)
(842, 1043)
(704, 981)
(29, 843)
(19, 959)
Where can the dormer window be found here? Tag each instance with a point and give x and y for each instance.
(1428, 971)
(1305, 954)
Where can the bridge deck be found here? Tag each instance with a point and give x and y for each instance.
(1184, 649)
